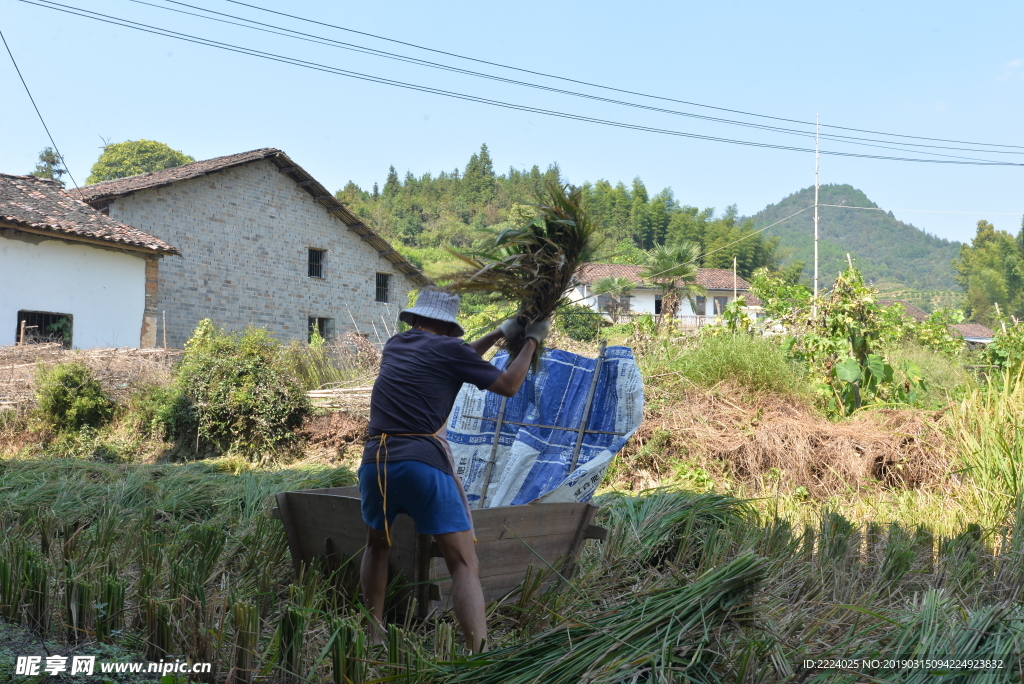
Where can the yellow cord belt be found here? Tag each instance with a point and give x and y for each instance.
(383, 484)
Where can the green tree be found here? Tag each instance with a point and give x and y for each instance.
(134, 157)
(392, 185)
(991, 271)
(50, 166)
(673, 269)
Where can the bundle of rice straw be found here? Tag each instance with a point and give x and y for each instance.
(533, 266)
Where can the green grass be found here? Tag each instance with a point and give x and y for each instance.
(752, 362)
(944, 376)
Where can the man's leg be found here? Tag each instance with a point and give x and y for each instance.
(460, 556)
(373, 576)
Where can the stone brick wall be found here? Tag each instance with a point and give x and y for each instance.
(244, 234)
(147, 338)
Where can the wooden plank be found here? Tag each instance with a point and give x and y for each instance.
(596, 532)
(527, 521)
(349, 492)
(290, 531)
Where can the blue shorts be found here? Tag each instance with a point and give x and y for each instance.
(428, 495)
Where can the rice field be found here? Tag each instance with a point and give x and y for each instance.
(751, 541)
(183, 561)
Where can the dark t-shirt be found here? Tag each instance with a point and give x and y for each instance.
(420, 375)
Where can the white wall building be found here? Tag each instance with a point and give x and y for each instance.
(721, 285)
(68, 273)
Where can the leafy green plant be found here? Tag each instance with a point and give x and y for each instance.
(1007, 347)
(934, 333)
(70, 398)
(235, 391)
(580, 323)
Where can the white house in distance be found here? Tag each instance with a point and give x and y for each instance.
(71, 274)
(720, 284)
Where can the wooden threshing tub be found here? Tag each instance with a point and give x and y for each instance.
(327, 523)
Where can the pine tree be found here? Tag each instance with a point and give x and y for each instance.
(391, 185)
(49, 166)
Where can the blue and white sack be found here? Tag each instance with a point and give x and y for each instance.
(532, 462)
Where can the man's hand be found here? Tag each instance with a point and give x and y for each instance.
(539, 330)
(511, 328)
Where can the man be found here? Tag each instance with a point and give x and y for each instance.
(407, 466)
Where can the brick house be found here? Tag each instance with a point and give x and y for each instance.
(263, 243)
(720, 283)
(71, 274)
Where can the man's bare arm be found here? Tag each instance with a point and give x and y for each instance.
(509, 382)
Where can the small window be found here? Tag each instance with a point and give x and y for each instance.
(603, 302)
(657, 305)
(316, 263)
(720, 303)
(43, 326)
(702, 306)
(383, 287)
(323, 326)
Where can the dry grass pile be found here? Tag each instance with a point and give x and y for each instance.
(119, 371)
(337, 431)
(763, 441)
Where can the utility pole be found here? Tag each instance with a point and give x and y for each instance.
(817, 155)
(734, 278)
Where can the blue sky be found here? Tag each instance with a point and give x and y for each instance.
(942, 70)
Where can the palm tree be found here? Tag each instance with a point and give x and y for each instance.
(617, 289)
(674, 270)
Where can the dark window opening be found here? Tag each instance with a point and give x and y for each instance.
(720, 303)
(383, 287)
(702, 306)
(43, 326)
(316, 263)
(324, 327)
(657, 305)
(603, 302)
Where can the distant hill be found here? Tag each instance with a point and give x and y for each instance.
(890, 253)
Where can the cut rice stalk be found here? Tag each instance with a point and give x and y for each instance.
(533, 266)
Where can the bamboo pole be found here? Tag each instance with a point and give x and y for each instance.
(586, 408)
(494, 451)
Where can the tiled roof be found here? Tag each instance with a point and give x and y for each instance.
(972, 330)
(107, 190)
(42, 205)
(711, 278)
(912, 311)
(122, 186)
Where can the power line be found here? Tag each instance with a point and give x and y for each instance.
(604, 87)
(321, 40)
(146, 28)
(38, 113)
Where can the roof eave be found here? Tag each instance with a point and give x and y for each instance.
(56, 232)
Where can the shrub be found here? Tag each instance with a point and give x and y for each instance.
(234, 390)
(70, 398)
(580, 323)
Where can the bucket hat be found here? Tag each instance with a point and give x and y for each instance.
(436, 304)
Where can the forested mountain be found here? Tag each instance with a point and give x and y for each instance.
(889, 252)
(424, 214)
